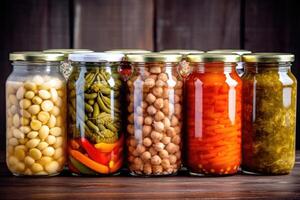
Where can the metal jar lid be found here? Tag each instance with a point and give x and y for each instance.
(66, 52)
(268, 57)
(214, 57)
(36, 56)
(153, 57)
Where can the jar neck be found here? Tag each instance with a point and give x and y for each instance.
(84, 66)
(36, 67)
(267, 67)
(213, 67)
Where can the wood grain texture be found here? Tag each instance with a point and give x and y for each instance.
(274, 26)
(179, 187)
(192, 24)
(29, 25)
(102, 25)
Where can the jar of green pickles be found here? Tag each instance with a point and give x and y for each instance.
(94, 127)
(269, 114)
(65, 67)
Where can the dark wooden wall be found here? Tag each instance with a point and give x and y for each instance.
(257, 25)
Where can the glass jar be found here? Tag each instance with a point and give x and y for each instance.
(65, 67)
(269, 114)
(154, 100)
(95, 133)
(213, 114)
(240, 65)
(36, 115)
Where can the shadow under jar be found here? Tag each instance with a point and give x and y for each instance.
(269, 114)
(213, 115)
(94, 104)
(154, 115)
(36, 115)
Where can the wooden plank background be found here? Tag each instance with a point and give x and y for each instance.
(269, 25)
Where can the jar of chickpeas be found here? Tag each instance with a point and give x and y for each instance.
(154, 114)
(36, 115)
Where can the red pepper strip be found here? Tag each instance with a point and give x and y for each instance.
(116, 166)
(102, 158)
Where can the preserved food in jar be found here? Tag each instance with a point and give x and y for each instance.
(269, 114)
(95, 134)
(154, 115)
(240, 65)
(65, 67)
(35, 108)
(213, 114)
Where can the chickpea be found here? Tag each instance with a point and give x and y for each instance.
(165, 163)
(155, 160)
(156, 135)
(155, 70)
(139, 120)
(138, 161)
(148, 120)
(146, 130)
(163, 77)
(164, 154)
(171, 132)
(158, 126)
(172, 148)
(130, 108)
(159, 103)
(172, 159)
(159, 146)
(157, 91)
(150, 98)
(166, 140)
(177, 129)
(132, 142)
(147, 142)
(139, 110)
(151, 110)
(160, 83)
(140, 149)
(152, 151)
(147, 169)
(176, 139)
(159, 116)
(149, 82)
(157, 169)
(131, 118)
(146, 156)
(130, 129)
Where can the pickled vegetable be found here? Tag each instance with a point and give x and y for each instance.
(95, 119)
(213, 110)
(269, 116)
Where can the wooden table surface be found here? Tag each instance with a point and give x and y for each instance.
(125, 187)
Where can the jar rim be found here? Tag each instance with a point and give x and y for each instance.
(214, 57)
(268, 57)
(36, 56)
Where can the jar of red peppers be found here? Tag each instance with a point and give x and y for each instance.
(154, 115)
(213, 114)
(95, 132)
(240, 65)
(269, 114)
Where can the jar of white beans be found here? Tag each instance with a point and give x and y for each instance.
(36, 115)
